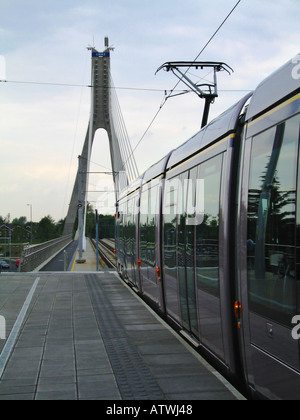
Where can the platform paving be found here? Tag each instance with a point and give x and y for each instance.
(87, 336)
(89, 257)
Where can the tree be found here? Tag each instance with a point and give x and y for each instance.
(46, 229)
(60, 227)
(21, 221)
(106, 226)
(90, 222)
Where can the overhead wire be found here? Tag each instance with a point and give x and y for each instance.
(115, 87)
(208, 42)
(28, 82)
(127, 151)
(172, 90)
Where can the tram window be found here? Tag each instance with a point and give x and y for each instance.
(190, 250)
(143, 224)
(271, 245)
(151, 243)
(191, 196)
(130, 231)
(169, 213)
(181, 244)
(207, 232)
(122, 213)
(147, 223)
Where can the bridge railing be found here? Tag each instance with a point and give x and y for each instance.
(34, 255)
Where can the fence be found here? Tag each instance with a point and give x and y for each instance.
(34, 255)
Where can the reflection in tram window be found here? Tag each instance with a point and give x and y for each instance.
(207, 258)
(272, 222)
(207, 235)
(129, 234)
(190, 250)
(169, 250)
(147, 225)
(122, 213)
(181, 248)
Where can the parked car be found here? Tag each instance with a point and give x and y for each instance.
(4, 265)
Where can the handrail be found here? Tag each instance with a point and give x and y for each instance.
(34, 255)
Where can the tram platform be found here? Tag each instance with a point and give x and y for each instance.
(88, 263)
(88, 336)
(89, 258)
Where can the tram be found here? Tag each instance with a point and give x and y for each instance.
(210, 237)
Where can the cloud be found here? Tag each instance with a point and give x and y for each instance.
(7, 188)
(2, 68)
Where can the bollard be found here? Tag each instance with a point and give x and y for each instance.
(65, 260)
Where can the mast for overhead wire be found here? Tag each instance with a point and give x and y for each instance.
(207, 90)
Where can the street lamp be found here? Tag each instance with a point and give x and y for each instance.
(30, 223)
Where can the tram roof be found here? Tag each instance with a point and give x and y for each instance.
(216, 129)
(274, 88)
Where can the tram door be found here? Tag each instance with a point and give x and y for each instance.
(272, 274)
(186, 250)
(148, 240)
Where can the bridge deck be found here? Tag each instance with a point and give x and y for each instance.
(88, 336)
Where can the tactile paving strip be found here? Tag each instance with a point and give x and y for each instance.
(134, 378)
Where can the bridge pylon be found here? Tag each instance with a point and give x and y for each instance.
(105, 113)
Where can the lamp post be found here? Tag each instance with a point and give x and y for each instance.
(30, 223)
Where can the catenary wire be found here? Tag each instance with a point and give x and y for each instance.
(168, 96)
(129, 156)
(116, 87)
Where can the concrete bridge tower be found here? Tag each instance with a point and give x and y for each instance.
(106, 114)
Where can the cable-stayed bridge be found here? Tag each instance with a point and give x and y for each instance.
(106, 114)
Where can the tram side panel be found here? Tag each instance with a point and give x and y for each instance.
(197, 248)
(268, 258)
(149, 241)
(132, 244)
(195, 252)
(120, 239)
(127, 228)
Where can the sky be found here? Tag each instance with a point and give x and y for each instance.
(43, 50)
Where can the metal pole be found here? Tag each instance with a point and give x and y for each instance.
(9, 235)
(206, 112)
(30, 223)
(80, 260)
(97, 253)
(65, 260)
